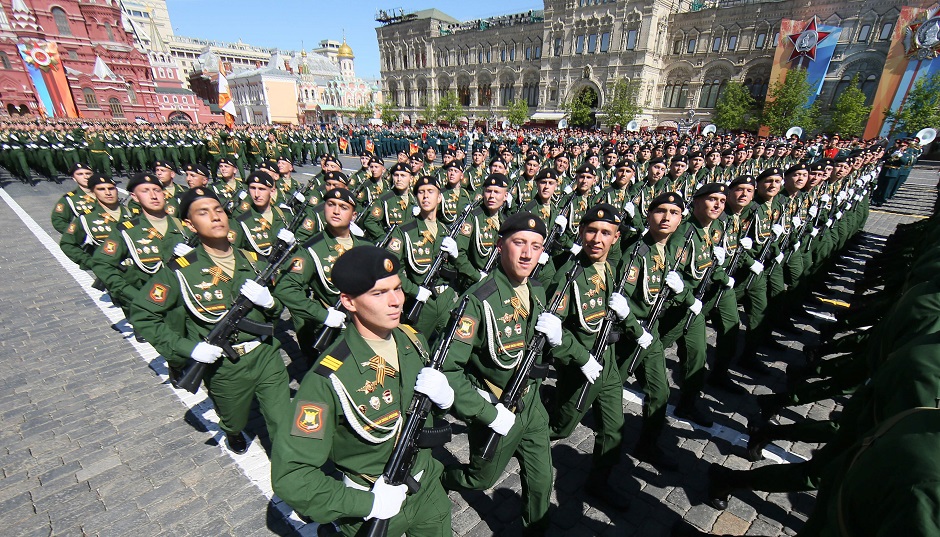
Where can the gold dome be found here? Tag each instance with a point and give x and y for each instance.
(345, 51)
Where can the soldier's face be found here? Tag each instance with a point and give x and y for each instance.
(664, 220)
(519, 253)
(498, 166)
(842, 170)
(727, 160)
(364, 161)
(561, 164)
(585, 182)
(429, 197)
(678, 168)
(195, 180)
(768, 187)
(378, 310)
(797, 180)
(107, 194)
(329, 166)
(657, 171)
(401, 180)
(454, 176)
(532, 168)
(610, 159)
(697, 163)
(338, 213)
(547, 189)
(207, 217)
(714, 159)
(284, 167)
(165, 175)
(260, 194)
(494, 197)
(376, 170)
(597, 237)
(227, 171)
(478, 158)
(150, 197)
(333, 183)
(708, 208)
(81, 177)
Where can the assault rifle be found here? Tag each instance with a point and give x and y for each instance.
(735, 259)
(554, 234)
(704, 283)
(765, 250)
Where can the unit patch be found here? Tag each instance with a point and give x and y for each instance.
(308, 419)
(466, 328)
(158, 293)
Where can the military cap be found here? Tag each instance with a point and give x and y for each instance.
(284, 159)
(587, 167)
(335, 176)
(680, 158)
(564, 155)
(365, 153)
(450, 152)
(533, 158)
(226, 160)
(626, 164)
(742, 180)
(602, 212)
(98, 179)
(417, 157)
(197, 168)
(610, 151)
(192, 195)
(79, 166)
(423, 181)
(709, 189)
(522, 221)
(727, 153)
(496, 179)
(478, 149)
(656, 161)
(696, 154)
(797, 167)
(670, 198)
(400, 167)
(713, 150)
(840, 160)
(818, 166)
(357, 270)
(770, 172)
(143, 178)
(259, 177)
(375, 159)
(269, 165)
(163, 164)
(329, 158)
(340, 194)
(546, 173)
(452, 164)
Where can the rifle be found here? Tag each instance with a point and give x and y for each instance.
(328, 333)
(512, 395)
(704, 284)
(398, 468)
(660, 304)
(553, 234)
(763, 252)
(607, 325)
(438, 262)
(228, 325)
(735, 260)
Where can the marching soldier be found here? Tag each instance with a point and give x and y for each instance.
(478, 235)
(257, 227)
(393, 207)
(77, 202)
(89, 230)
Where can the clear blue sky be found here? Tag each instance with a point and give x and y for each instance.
(287, 23)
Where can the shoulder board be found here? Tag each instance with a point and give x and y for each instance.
(409, 226)
(316, 239)
(183, 262)
(331, 362)
(250, 255)
(644, 249)
(244, 216)
(484, 291)
(478, 210)
(535, 282)
(131, 223)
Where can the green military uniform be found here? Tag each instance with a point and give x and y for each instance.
(88, 231)
(389, 209)
(70, 206)
(477, 239)
(256, 231)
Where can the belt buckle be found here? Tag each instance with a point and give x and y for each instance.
(239, 349)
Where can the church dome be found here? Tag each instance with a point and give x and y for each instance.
(345, 51)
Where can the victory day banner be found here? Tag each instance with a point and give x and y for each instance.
(807, 45)
(915, 45)
(47, 73)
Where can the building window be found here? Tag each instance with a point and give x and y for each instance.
(502, 55)
(605, 41)
(485, 95)
(166, 99)
(775, 40)
(761, 39)
(579, 45)
(530, 93)
(631, 40)
(131, 96)
(732, 42)
(676, 95)
(109, 31)
(61, 21)
(558, 46)
(538, 51)
(5, 61)
(91, 101)
(506, 94)
(716, 44)
(176, 99)
(592, 43)
(528, 53)
(711, 90)
(480, 56)
(677, 46)
(512, 54)
(116, 109)
(553, 94)
(868, 88)
(864, 33)
(886, 31)
(691, 47)
(73, 55)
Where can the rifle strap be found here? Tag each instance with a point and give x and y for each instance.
(412, 335)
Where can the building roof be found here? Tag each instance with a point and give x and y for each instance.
(345, 51)
(436, 15)
(173, 91)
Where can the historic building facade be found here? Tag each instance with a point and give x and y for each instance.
(682, 53)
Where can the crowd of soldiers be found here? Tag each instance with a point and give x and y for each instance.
(464, 286)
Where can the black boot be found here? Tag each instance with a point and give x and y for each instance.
(648, 451)
(691, 409)
(756, 442)
(236, 442)
(770, 404)
(599, 489)
(719, 486)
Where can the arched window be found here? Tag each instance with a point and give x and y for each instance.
(116, 109)
(109, 31)
(869, 85)
(5, 61)
(131, 96)
(711, 90)
(91, 100)
(676, 95)
(506, 93)
(61, 21)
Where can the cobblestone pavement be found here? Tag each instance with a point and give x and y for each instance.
(94, 441)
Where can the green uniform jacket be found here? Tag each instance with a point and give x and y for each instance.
(86, 232)
(477, 238)
(252, 231)
(416, 248)
(389, 209)
(69, 206)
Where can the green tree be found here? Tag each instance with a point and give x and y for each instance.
(431, 113)
(518, 112)
(389, 113)
(919, 110)
(450, 109)
(849, 112)
(365, 112)
(624, 103)
(786, 104)
(578, 109)
(735, 109)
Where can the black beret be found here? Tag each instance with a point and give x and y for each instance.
(163, 164)
(478, 149)
(610, 151)
(260, 178)
(770, 172)
(98, 179)
(269, 165)
(710, 188)
(340, 194)
(197, 168)
(335, 176)
(655, 161)
(400, 167)
(329, 158)
(284, 159)
(365, 153)
(714, 150)
(143, 178)
(496, 179)
(533, 158)
(375, 159)
(818, 166)
(452, 164)
(667, 198)
(192, 195)
(450, 152)
(546, 173)
(357, 270)
(226, 160)
(695, 154)
(727, 153)
(602, 212)
(680, 158)
(840, 159)
(79, 166)
(742, 180)
(496, 159)
(797, 167)
(417, 157)
(425, 180)
(626, 164)
(587, 167)
(522, 221)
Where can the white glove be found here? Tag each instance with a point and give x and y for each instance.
(839, 215)
(829, 222)
(356, 230)
(630, 209)
(568, 189)
(299, 197)
(576, 249)
(645, 340)
(619, 304)
(730, 284)
(286, 236)
(719, 254)
(813, 211)
(388, 499)
(423, 294)
(814, 232)
(746, 243)
(825, 197)
(592, 369)
(415, 211)
(757, 267)
(796, 246)
(796, 221)
(449, 245)
(543, 258)
(182, 250)
(550, 325)
(433, 383)
(561, 221)
(258, 294)
(777, 229)
(696, 307)
(504, 420)
(206, 353)
(482, 274)
(779, 258)
(334, 318)
(674, 281)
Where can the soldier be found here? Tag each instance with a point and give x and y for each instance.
(393, 207)
(77, 202)
(505, 310)
(229, 189)
(456, 196)
(478, 235)
(524, 183)
(196, 176)
(258, 226)
(172, 191)
(476, 172)
(89, 230)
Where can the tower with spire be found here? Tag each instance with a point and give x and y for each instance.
(346, 57)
